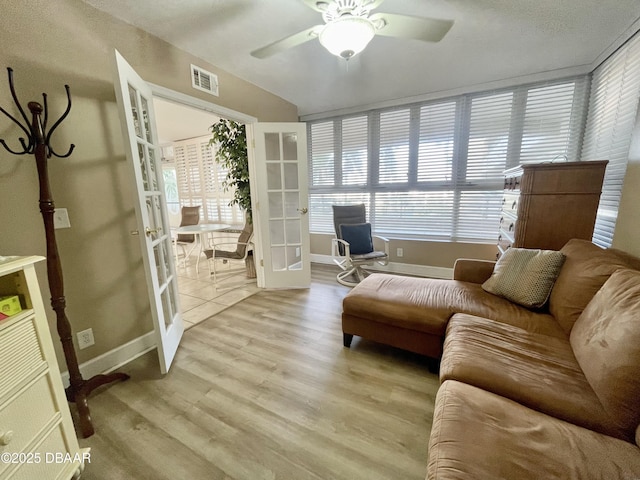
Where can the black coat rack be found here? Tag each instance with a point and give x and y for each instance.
(38, 143)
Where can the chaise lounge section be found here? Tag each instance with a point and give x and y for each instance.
(547, 393)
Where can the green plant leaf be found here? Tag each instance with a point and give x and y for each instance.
(230, 141)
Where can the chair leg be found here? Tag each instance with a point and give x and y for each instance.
(346, 339)
(342, 278)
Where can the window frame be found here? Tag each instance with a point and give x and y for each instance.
(459, 183)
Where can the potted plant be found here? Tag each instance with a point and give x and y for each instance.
(230, 140)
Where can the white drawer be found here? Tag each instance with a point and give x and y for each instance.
(47, 467)
(26, 415)
(20, 355)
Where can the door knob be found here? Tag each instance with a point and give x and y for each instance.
(303, 210)
(149, 231)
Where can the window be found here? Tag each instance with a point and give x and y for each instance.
(200, 182)
(435, 170)
(615, 90)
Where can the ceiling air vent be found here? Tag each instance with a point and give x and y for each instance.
(203, 80)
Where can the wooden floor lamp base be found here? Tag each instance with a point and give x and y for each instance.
(79, 395)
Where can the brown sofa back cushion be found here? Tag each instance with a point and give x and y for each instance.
(606, 343)
(586, 268)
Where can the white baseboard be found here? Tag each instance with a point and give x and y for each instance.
(115, 358)
(394, 267)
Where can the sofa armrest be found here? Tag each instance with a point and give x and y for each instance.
(474, 271)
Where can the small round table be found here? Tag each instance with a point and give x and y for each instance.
(198, 231)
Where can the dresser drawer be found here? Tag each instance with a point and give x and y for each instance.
(26, 415)
(20, 355)
(48, 467)
(510, 203)
(512, 183)
(508, 223)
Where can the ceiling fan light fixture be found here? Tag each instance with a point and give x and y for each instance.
(347, 36)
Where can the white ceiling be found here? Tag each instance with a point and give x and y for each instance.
(491, 41)
(179, 122)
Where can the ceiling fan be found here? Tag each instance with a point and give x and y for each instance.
(349, 26)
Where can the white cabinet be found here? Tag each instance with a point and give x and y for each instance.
(37, 437)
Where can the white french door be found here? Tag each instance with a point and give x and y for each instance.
(141, 145)
(280, 196)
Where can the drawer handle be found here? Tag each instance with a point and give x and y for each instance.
(501, 220)
(499, 238)
(513, 205)
(6, 437)
(511, 227)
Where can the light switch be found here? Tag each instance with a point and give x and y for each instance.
(61, 218)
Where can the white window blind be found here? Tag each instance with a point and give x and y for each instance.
(322, 154)
(435, 147)
(200, 180)
(489, 128)
(615, 90)
(394, 146)
(552, 122)
(435, 170)
(354, 151)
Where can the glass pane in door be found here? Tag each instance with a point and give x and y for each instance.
(153, 172)
(143, 167)
(145, 118)
(133, 98)
(272, 146)
(289, 146)
(283, 193)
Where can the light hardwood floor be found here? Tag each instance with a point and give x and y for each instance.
(265, 390)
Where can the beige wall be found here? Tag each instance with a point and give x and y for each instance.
(49, 44)
(419, 252)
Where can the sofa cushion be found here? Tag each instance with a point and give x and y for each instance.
(525, 276)
(426, 304)
(606, 342)
(480, 435)
(535, 370)
(585, 270)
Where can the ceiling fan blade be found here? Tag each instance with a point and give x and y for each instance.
(287, 42)
(405, 26)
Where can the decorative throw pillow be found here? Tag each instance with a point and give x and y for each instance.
(358, 236)
(525, 276)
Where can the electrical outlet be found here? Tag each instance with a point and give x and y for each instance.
(61, 218)
(85, 338)
(399, 252)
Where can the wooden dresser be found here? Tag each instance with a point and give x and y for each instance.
(37, 437)
(547, 204)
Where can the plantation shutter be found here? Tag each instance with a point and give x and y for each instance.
(200, 182)
(613, 105)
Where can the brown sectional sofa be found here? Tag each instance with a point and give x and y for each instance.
(524, 394)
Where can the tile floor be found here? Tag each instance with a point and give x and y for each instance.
(201, 298)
